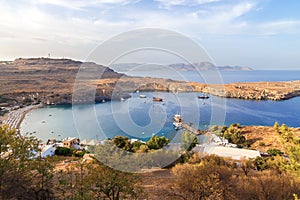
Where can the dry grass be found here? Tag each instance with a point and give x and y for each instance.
(259, 135)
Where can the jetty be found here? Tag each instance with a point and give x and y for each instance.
(179, 124)
(193, 130)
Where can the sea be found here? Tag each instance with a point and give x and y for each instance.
(140, 118)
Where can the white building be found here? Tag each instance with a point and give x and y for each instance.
(229, 152)
(48, 151)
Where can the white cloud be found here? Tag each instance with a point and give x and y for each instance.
(206, 1)
(82, 4)
(170, 3)
(38, 29)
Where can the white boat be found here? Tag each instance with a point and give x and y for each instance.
(143, 96)
(177, 122)
(177, 126)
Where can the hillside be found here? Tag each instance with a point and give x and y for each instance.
(51, 81)
(263, 138)
(203, 66)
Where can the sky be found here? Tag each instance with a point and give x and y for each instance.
(262, 34)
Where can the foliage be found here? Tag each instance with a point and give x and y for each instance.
(218, 130)
(42, 171)
(204, 180)
(292, 149)
(276, 126)
(108, 183)
(63, 151)
(233, 135)
(122, 143)
(274, 152)
(128, 161)
(189, 141)
(262, 144)
(261, 163)
(17, 164)
(157, 142)
(215, 178)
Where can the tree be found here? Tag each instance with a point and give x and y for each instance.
(42, 177)
(276, 126)
(157, 142)
(108, 183)
(189, 141)
(63, 151)
(218, 130)
(204, 180)
(122, 143)
(15, 163)
(233, 135)
(213, 177)
(274, 152)
(72, 182)
(267, 185)
(260, 163)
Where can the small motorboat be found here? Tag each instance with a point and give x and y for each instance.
(157, 99)
(203, 97)
(143, 96)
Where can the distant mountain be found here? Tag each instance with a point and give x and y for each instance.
(203, 66)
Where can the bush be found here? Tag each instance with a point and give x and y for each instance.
(274, 152)
(262, 144)
(63, 151)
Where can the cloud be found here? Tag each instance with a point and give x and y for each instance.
(169, 3)
(206, 1)
(82, 4)
(37, 25)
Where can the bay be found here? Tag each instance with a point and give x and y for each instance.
(141, 118)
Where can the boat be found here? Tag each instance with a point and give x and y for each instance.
(177, 121)
(157, 99)
(203, 97)
(143, 96)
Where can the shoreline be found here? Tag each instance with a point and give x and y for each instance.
(14, 118)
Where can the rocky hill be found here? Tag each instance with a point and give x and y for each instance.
(51, 81)
(203, 66)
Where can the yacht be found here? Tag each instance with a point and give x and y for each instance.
(177, 121)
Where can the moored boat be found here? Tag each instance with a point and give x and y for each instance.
(203, 97)
(177, 121)
(143, 96)
(157, 99)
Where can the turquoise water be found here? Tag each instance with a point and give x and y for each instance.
(141, 118)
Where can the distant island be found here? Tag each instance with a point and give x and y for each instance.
(203, 66)
(51, 81)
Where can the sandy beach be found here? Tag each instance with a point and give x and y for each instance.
(14, 118)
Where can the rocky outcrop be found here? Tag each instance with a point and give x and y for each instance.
(51, 81)
(275, 91)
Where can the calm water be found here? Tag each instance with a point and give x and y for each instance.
(140, 118)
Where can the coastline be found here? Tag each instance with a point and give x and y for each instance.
(14, 118)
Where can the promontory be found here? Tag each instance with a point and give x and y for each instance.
(51, 81)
